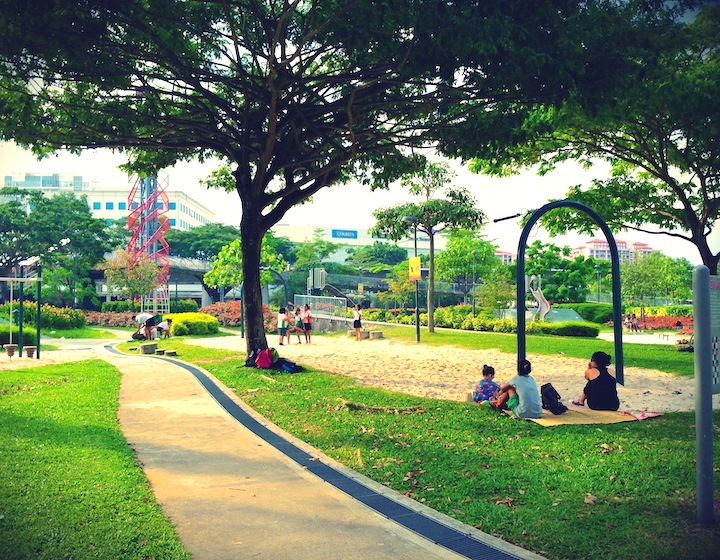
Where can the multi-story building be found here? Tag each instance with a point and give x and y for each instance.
(111, 204)
(352, 238)
(599, 249)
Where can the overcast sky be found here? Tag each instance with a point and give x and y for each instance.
(351, 206)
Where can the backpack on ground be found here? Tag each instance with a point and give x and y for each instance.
(551, 399)
(288, 366)
(266, 358)
(251, 357)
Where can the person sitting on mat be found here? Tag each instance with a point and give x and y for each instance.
(600, 392)
(520, 394)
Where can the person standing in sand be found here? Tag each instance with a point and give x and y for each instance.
(307, 322)
(357, 322)
(600, 392)
(520, 394)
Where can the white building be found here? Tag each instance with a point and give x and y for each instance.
(599, 249)
(352, 238)
(111, 204)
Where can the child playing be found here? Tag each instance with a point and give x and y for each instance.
(282, 324)
(521, 394)
(486, 388)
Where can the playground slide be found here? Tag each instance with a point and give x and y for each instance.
(337, 293)
(543, 303)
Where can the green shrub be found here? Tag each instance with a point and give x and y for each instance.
(193, 323)
(29, 335)
(570, 328)
(593, 312)
(51, 317)
(679, 310)
(183, 306)
(120, 306)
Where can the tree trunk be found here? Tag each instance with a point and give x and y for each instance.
(708, 258)
(252, 293)
(431, 285)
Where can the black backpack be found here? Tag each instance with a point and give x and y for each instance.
(551, 399)
(250, 360)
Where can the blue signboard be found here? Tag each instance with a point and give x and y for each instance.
(345, 233)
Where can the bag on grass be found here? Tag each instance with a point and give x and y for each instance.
(288, 366)
(250, 360)
(551, 399)
(138, 336)
(266, 358)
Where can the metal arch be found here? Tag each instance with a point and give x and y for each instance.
(615, 259)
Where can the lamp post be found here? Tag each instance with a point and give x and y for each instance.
(74, 284)
(473, 284)
(599, 279)
(414, 221)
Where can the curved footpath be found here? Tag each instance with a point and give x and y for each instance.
(232, 494)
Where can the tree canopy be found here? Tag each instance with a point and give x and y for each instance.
(203, 242)
(660, 135)
(294, 95)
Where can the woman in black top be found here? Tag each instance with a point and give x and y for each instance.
(601, 388)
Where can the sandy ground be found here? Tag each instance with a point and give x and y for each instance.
(452, 373)
(431, 371)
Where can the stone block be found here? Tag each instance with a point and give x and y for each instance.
(148, 348)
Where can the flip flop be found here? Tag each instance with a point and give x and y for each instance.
(578, 403)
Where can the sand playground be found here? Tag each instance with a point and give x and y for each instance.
(430, 371)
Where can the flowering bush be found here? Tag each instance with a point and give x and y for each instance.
(229, 314)
(110, 319)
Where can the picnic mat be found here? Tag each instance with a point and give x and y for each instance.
(584, 415)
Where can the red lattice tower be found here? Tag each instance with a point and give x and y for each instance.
(148, 204)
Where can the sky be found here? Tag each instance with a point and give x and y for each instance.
(351, 206)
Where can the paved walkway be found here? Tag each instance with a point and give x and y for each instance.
(232, 494)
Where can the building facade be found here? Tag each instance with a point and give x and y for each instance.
(184, 212)
(599, 249)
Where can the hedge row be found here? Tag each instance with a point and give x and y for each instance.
(29, 338)
(126, 306)
(50, 317)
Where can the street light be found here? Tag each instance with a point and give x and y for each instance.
(599, 278)
(473, 285)
(414, 221)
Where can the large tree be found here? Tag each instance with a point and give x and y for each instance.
(660, 136)
(431, 216)
(295, 95)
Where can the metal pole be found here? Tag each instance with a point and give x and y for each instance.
(703, 395)
(473, 284)
(417, 283)
(74, 290)
(38, 313)
(599, 280)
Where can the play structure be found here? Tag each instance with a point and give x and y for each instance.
(148, 204)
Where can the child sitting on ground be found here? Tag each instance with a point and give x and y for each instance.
(486, 388)
(521, 394)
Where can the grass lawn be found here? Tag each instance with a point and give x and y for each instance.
(595, 492)
(70, 485)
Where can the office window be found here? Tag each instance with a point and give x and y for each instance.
(109, 206)
(122, 205)
(172, 205)
(134, 206)
(108, 222)
(96, 206)
(172, 221)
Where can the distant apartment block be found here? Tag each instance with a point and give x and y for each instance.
(111, 204)
(599, 249)
(505, 257)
